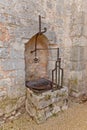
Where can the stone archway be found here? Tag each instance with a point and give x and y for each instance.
(36, 70)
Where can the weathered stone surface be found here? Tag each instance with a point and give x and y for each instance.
(77, 54)
(4, 53)
(52, 36)
(6, 82)
(18, 91)
(4, 34)
(79, 41)
(76, 30)
(21, 102)
(77, 66)
(1, 44)
(66, 26)
(60, 7)
(1, 112)
(42, 106)
(10, 108)
(49, 5)
(13, 64)
(46, 98)
(3, 93)
(14, 54)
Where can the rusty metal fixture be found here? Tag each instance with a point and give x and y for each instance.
(45, 29)
(36, 60)
(42, 84)
(57, 73)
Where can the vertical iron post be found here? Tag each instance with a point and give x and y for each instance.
(39, 24)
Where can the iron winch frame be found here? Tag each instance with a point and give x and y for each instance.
(57, 72)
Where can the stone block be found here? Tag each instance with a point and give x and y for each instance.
(30, 108)
(60, 22)
(60, 7)
(79, 41)
(45, 99)
(85, 30)
(51, 36)
(77, 54)
(1, 44)
(21, 102)
(14, 54)
(16, 91)
(20, 73)
(4, 53)
(9, 109)
(40, 117)
(77, 75)
(76, 30)
(3, 93)
(44, 105)
(6, 82)
(13, 64)
(49, 4)
(77, 66)
(77, 18)
(4, 34)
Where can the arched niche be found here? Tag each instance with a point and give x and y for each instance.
(36, 70)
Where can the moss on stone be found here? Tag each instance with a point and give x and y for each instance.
(54, 114)
(47, 97)
(73, 82)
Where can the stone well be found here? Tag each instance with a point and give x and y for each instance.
(41, 106)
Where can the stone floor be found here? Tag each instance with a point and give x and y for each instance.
(75, 118)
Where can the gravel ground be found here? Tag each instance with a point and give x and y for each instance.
(75, 118)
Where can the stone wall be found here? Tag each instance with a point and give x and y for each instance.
(19, 22)
(41, 106)
(77, 79)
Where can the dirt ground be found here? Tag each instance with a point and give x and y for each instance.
(75, 118)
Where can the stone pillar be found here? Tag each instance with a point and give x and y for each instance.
(77, 80)
(77, 75)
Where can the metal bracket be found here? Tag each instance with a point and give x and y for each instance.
(45, 29)
(36, 60)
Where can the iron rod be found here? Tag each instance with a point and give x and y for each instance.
(39, 24)
(59, 75)
(44, 49)
(56, 73)
(62, 77)
(52, 78)
(57, 53)
(36, 46)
